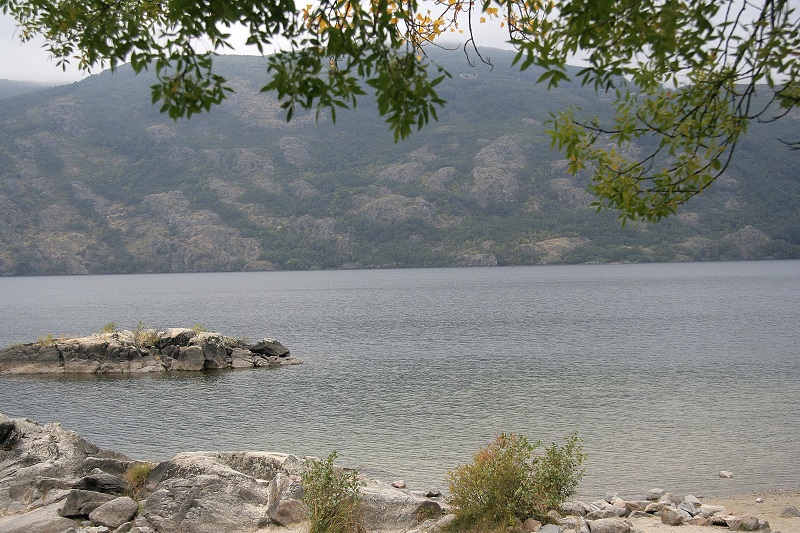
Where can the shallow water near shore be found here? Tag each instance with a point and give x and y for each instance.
(670, 373)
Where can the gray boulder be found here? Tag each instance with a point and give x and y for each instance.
(606, 512)
(42, 520)
(671, 498)
(6, 427)
(188, 358)
(576, 508)
(270, 347)
(609, 525)
(531, 525)
(744, 523)
(720, 520)
(241, 358)
(99, 481)
(215, 349)
(388, 508)
(115, 512)
(673, 517)
(706, 510)
(689, 508)
(176, 337)
(287, 512)
(109, 465)
(81, 503)
(655, 494)
(550, 528)
(692, 500)
(636, 505)
(206, 503)
(39, 462)
(203, 492)
(789, 511)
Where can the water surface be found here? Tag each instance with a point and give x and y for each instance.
(670, 373)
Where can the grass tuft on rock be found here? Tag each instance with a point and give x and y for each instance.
(136, 478)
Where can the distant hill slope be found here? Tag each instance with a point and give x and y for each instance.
(94, 180)
(14, 88)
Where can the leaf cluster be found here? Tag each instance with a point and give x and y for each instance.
(686, 74)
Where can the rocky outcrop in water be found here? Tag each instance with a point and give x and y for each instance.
(52, 480)
(146, 350)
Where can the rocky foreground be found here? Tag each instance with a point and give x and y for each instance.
(53, 481)
(148, 350)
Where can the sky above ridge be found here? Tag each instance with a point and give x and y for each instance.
(30, 62)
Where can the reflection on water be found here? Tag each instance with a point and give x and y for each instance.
(669, 372)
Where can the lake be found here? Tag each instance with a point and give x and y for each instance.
(669, 372)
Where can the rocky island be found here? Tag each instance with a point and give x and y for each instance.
(54, 481)
(143, 350)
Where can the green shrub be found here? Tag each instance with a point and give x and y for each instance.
(111, 327)
(558, 472)
(332, 497)
(507, 482)
(199, 328)
(136, 477)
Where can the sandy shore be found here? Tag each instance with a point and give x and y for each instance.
(744, 505)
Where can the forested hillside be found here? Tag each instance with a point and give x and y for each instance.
(94, 180)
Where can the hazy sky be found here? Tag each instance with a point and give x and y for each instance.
(27, 62)
(30, 62)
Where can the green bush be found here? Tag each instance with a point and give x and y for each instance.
(111, 327)
(332, 497)
(507, 481)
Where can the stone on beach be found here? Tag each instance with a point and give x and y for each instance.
(609, 525)
(789, 511)
(673, 517)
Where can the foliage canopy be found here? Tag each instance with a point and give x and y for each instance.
(682, 75)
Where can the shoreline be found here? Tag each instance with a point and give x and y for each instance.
(741, 505)
(73, 479)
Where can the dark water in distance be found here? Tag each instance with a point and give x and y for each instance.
(670, 372)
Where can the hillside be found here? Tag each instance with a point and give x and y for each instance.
(94, 180)
(13, 88)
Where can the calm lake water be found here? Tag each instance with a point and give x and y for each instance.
(670, 372)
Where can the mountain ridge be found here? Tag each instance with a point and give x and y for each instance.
(94, 180)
